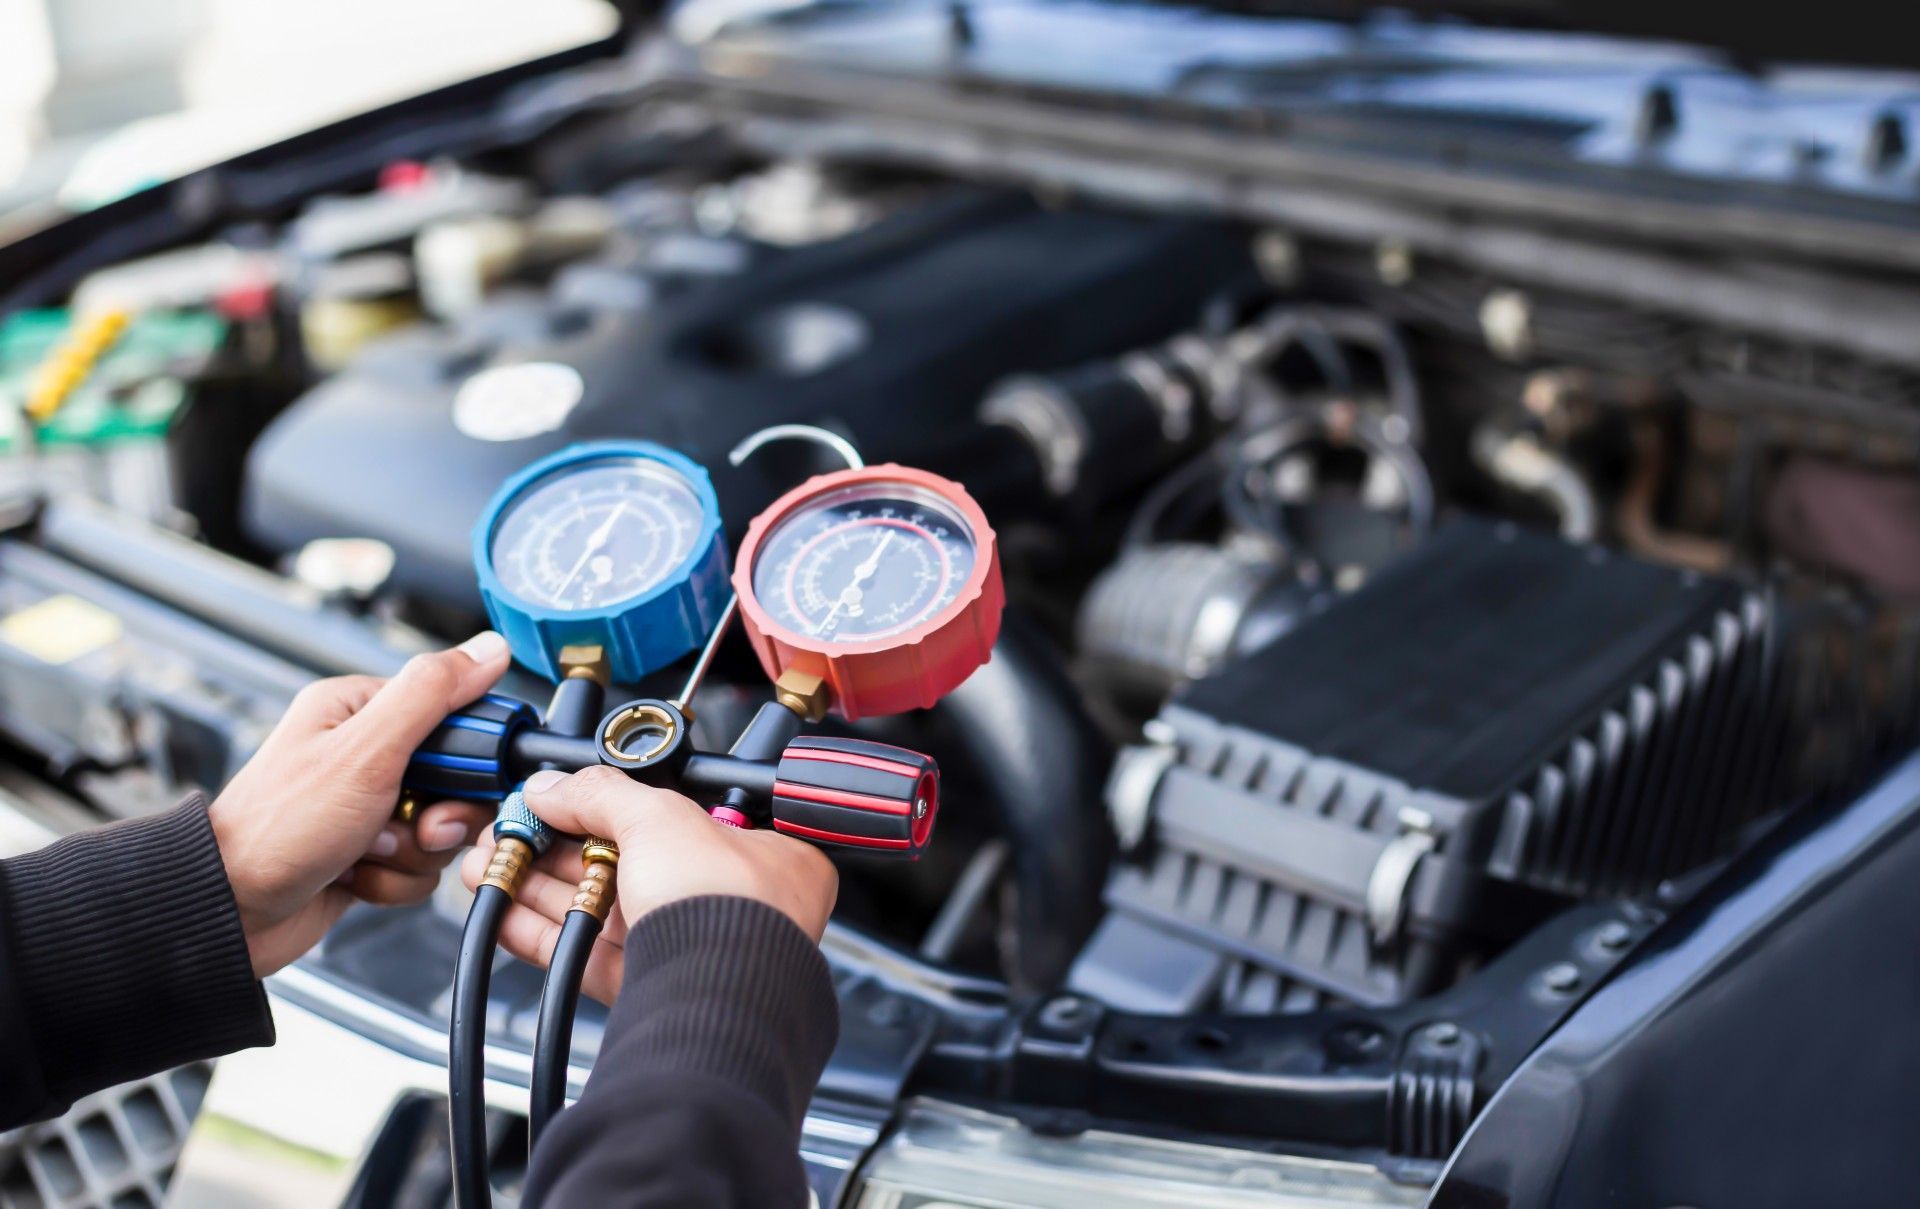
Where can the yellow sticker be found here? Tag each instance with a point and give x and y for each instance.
(61, 629)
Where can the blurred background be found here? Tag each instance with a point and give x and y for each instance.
(102, 97)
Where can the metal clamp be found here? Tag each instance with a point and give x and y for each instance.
(1393, 874)
(1137, 773)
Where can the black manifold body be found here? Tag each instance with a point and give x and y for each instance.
(1498, 724)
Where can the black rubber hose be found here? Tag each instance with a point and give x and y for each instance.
(573, 711)
(467, 1058)
(1044, 763)
(553, 1035)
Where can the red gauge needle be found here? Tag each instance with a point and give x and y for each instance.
(850, 595)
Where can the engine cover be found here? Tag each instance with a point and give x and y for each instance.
(891, 335)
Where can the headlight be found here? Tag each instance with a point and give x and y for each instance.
(947, 1157)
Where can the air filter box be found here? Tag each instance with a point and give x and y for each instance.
(1498, 723)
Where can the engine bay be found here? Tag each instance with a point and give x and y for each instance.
(1391, 644)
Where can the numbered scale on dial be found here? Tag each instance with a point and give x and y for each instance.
(615, 543)
(883, 582)
(864, 562)
(598, 535)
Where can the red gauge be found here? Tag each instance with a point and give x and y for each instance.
(883, 583)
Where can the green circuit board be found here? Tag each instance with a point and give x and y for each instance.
(133, 392)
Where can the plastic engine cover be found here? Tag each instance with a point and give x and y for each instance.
(891, 335)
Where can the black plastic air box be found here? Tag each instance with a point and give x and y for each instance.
(1498, 723)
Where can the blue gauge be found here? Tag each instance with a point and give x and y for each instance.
(616, 543)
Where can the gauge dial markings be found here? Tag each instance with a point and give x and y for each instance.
(862, 569)
(594, 535)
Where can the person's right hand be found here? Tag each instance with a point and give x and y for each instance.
(669, 850)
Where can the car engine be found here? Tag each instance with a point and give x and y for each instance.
(1380, 624)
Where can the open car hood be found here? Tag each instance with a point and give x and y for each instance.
(1522, 99)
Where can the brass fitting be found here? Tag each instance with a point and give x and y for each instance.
(511, 858)
(598, 851)
(597, 891)
(408, 808)
(584, 661)
(802, 692)
(633, 722)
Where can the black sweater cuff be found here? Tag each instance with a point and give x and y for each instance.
(731, 989)
(127, 955)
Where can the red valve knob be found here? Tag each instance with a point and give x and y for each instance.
(854, 794)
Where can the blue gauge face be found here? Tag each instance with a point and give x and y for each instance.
(589, 535)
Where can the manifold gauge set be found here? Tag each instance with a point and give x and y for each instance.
(865, 592)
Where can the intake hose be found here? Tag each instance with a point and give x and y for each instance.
(1032, 745)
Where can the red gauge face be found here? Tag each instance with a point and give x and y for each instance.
(884, 582)
(864, 562)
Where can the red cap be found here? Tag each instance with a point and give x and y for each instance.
(403, 176)
(246, 300)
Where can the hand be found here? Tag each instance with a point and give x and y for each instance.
(304, 829)
(669, 850)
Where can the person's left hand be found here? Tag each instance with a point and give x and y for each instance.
(303, 828)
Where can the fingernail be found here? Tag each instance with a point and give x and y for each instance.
(545, 779)
(445, 834)
(484, 647)
(385, 844)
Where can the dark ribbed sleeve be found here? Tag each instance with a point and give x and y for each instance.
(712, 1050)
(121, 955)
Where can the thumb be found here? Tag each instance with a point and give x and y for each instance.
(404, 712)
(602, 801)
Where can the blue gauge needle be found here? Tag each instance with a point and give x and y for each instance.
(594, 543)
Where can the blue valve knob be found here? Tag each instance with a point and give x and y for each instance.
(466, 755)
